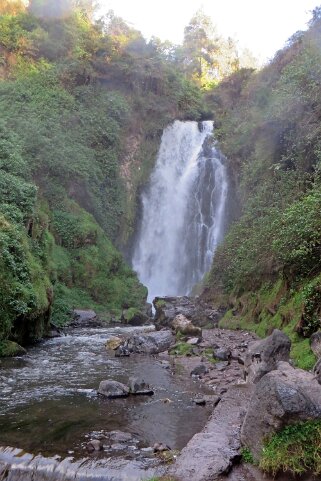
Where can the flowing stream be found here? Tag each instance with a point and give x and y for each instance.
(183, 211)
(49, 404)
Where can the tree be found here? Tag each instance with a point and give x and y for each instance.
(50, 9)
(11, 7)
(206, 55)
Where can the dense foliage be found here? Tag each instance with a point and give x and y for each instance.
(268, 124)
(82, 108)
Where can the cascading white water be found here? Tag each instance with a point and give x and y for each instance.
(183, 211)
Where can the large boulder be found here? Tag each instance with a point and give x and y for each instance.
(263, 356)
(283, 396)
(135, 317)
(150, 343)
(315, 343)
(113, 389)
(185, 326)
(85, 318)
(194, 308)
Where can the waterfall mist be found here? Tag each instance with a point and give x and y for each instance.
(183, 211)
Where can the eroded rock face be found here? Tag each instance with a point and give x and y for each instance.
(193, 308)
(281, 397)
(185, 326)
(113, 389)
(263, 356)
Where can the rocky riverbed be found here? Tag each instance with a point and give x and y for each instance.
(183, 395)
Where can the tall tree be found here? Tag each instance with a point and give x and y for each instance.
(11, 7)
(206, 55)
(50, 9)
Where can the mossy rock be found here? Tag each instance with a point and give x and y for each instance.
(11, 349)
(134, 317)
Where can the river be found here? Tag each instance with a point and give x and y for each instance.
(49, 404)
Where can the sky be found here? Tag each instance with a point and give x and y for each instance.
(262, 26)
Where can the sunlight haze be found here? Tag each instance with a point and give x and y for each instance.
(263, 27)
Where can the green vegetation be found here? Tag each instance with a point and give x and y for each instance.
(181, 349)
(82, 108)
(9, 349)
(296, 449)
(267, 270)
(247, 456)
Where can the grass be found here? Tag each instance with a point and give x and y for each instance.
(247, 456)
(296, 449)
(272, 307)
(181, 349)
(208, 353)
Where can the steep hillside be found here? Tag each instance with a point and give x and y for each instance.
(267, 273)
(82, 108)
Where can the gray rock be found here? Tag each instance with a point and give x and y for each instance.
(120, 437)
(195, 309)
(221, 366)
(315, 343)
(200, 401)
(150, 343)
(184, 326)
(160, 448)
(113, 389)
(281, 397)
(137, 386)
(122, 351)
(199, 370)
(263, 356)
(85, 318)
(317, 371)
(207, 399)
(193, 341)
(223, 354)
(94, 445)
(53, 333)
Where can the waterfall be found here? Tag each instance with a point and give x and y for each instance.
(182, 211)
